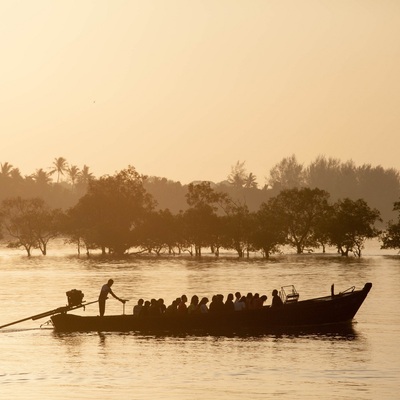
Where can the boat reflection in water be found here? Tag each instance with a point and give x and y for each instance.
(328, 315)
(342, 332)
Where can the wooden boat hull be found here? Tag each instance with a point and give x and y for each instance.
(318, 312)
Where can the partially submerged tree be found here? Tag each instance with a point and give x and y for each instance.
(157, 233)
(350, 224)
(268, 231)
(237, 228)
(106, 216)
(202, 194)
(200, 220)
(391, 237)
(30, 223)
(299, 211)
(199, 226)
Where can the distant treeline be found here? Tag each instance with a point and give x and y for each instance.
(62, 185)
(118, 214)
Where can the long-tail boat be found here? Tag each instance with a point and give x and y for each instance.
(320, 312)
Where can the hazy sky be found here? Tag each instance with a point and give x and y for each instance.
(184, 89)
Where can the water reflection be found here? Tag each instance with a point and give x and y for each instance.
(356, 361)
(329, 333)
(102, 337)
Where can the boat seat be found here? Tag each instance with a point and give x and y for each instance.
(289, 294)
(290, 298)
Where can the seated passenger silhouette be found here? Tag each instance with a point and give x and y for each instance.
(203, 305)
(154, 308)
(217, 304)
(241, 304)
(145, 310)
(238, 296)
(263, 299)
(173, 307)
(229, 304)
(193, 306)
(276, 300)
(162, 306)
(138, 307)
(182, 308)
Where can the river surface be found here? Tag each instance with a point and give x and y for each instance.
(37, 363)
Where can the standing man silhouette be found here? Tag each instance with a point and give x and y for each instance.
(104, 292)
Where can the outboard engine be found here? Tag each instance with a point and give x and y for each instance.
(74, 297)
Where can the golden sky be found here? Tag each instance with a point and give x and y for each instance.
(184, 89)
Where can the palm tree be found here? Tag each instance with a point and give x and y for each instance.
(6, 169)
(85, 176)
(251, 181)
(41, 177)
(16, 174)
(237, 176)
(60, 166)
(73, 174)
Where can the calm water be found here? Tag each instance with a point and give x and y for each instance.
(36, 363)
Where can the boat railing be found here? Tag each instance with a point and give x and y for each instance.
(349, 290)
(289, 294)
